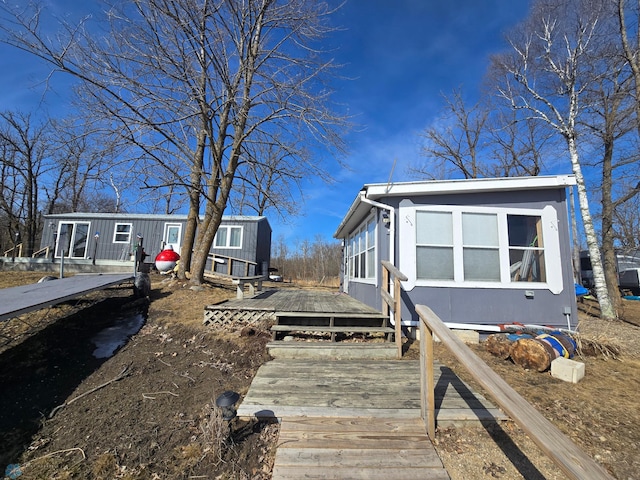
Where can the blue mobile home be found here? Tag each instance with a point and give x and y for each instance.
(242, 245)
(480, 251)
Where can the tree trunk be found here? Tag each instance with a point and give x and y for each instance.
(577, 267)
(195, 176)
(608, 234)
(606, 308)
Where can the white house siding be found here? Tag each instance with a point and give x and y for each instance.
(497, 303)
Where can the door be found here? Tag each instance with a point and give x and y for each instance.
(172, 236)
(72, 239)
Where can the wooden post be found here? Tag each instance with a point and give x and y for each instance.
(385, 287)
(397, 310)
(427, 381)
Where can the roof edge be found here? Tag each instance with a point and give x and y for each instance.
(376, 191)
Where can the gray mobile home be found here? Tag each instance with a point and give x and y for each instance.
(242, 245)
(481, 251)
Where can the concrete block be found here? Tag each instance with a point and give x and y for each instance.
(567, 370)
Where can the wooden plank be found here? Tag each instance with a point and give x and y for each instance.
(369, 424)
(337, 473)
(286, 411)
(349, 439)
(385, 295)
(388, 300)
(313, 328)
(559, 447)
(357, 458)
(339, 383)
(358, 400)
(329, 314)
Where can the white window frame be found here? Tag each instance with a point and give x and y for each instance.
(70, 238)
(227, 229)
(551, 248)
(116, 232)
(359, 249)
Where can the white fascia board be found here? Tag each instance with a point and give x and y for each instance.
(356, 210)
(376, 191)
(436, 187)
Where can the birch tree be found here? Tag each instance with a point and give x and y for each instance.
(546, 75)
(194, 80)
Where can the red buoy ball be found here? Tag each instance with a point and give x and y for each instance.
(166, 260)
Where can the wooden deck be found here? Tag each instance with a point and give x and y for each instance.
(16, 301)
(293, 300)
(347, 418)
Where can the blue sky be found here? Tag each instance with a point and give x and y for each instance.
(401, 56)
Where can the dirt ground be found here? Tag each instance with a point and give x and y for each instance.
(147, 411)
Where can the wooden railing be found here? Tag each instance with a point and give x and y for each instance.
(393, 302)
(43, 252)
(18, 247)
(555, 444)
(229, 261)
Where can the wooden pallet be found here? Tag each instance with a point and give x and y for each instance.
(354, 448)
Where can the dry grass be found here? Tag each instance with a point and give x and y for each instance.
(215, 433)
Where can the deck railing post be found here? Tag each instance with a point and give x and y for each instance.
(385, 287)
(397, 310)
(427, 380)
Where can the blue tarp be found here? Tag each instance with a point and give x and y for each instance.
(580, 290)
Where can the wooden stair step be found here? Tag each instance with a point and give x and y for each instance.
(340, 345)
(315, 328)
(356, 315)
(353, 448)
(332, 350)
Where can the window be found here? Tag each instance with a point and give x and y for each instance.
(526, 252)
(480, 247)
(228, 237)
(362, 252)
(434, 245)
(122, 233)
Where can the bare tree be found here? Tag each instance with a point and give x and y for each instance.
(481, 141)
(453, 144)
(83, 159)
(194, 80)
(547, 74)
(267, 180)
(628, 16)
(518, 145)
(26, 150)
(627, 225)
(610, 119)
